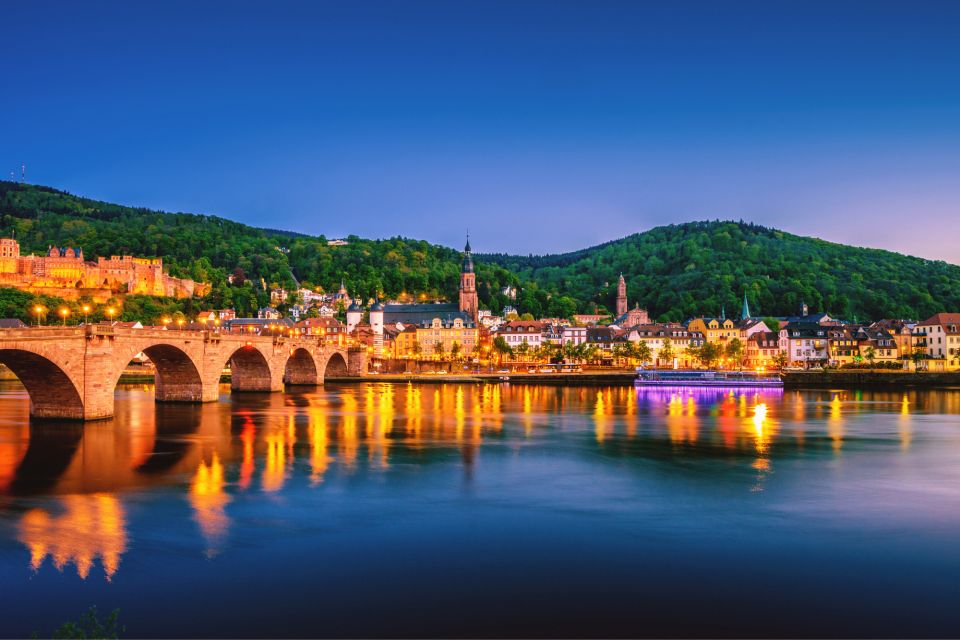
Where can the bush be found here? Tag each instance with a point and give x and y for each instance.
(890, 366)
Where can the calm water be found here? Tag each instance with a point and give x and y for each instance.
(468, 510)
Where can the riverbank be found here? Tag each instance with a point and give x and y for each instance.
(870, 379)
(587, 378)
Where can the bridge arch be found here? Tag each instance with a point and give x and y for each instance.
(53, 393)
(250, 370)
(335, 365)
(177, 376)
(300, 368)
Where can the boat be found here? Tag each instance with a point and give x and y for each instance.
(722, 379)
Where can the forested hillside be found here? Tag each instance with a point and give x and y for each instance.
(209, 248)
(679, 271)
(676, 271)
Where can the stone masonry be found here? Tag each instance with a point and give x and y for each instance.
(71, 372)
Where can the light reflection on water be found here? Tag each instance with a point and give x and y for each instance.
(483, 478)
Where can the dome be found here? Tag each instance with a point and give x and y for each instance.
(355, 307)
(376, 306)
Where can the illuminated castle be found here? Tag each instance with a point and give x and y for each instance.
(64, 272)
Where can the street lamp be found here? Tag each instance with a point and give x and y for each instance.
(166, 321)
(86, 313)
(180, 322)
(111, 312)
(38, 310)
(64, 312)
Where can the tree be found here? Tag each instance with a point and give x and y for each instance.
(918, 355)
(870, 354)
(692, 353)
(455, 351)
(666, 352)
(502, 348)
(709, 353)
(734, 351)
(593, 353)
(780, 360)
(438, 350)
(417, 348)
(523, 349)
(641, 351)
(623, 351)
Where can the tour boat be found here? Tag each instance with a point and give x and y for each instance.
(725, 379)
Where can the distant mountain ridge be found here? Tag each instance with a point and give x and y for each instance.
(675, 271)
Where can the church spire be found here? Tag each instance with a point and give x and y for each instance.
(467, 266)
(745, 312)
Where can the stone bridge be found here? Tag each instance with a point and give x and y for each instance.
(71, 372)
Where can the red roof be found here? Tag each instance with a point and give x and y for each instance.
(941, 319)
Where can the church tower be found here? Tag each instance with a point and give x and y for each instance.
(468, 284)
(621, 296)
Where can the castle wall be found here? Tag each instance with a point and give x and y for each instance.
(65, 274)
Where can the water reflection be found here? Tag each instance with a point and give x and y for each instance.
(209, 500)
(79, 530)
(269, 443)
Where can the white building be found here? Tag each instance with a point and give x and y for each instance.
(807, 343)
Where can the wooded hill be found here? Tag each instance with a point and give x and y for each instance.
(675, 271)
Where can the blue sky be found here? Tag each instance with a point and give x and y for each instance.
(542, 126)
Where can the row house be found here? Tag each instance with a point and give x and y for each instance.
(445, 332)
(715, 329)
(807, 343)
(902, 333)
(658, 336)
(574, 335)
(763, 348)
(604, 338)
(939, 337)
(517, 332)
(330, 329)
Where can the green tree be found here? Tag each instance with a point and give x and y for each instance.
(642, 352)
(502, 348)
(523, 349)
(780, 360)
(709, 353)
(665, 353)
(734, 352)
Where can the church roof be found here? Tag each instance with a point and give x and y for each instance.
(420, 313)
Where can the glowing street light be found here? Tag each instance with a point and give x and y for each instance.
(64, 312)
(39, 310)
(86, 313)
(166, 321)
(111, 312)
(180, 322)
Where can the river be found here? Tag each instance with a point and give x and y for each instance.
(488, 510)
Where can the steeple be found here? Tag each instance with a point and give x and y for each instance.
(622, 305)
(745, 312)
(723, 312)
(467, 266)
(468, 284)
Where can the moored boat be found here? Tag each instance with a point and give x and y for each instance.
(728, 379)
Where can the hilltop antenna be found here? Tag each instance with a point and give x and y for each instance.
(23, 173)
